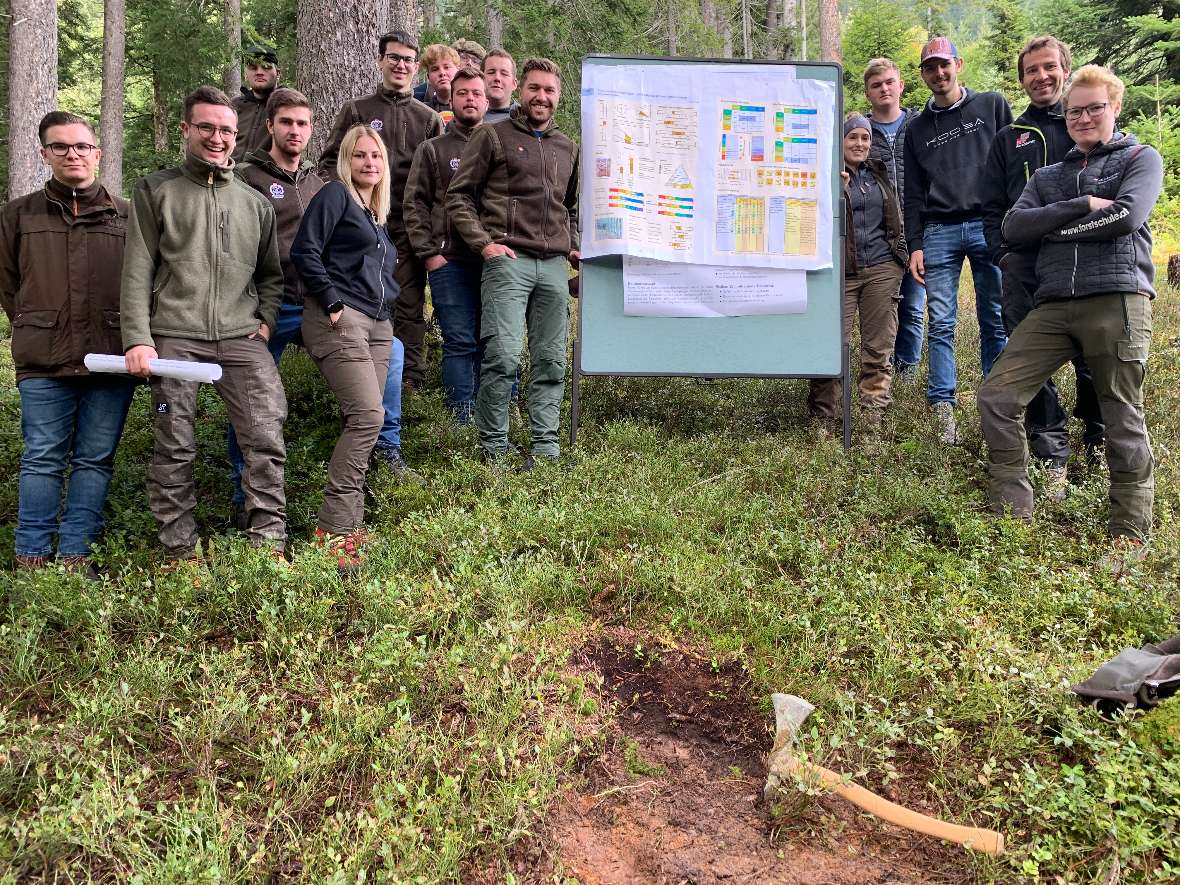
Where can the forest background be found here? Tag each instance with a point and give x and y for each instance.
(172, 45)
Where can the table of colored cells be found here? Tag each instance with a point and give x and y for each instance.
(713, 164)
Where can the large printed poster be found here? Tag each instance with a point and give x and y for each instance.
(712, 164)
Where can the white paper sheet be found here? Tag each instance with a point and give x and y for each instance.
(666, 289)
(707, 164)
(115, 364)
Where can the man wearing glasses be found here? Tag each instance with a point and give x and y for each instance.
(1088, 215)
(1038, 138)
(61, 249)
(404, 123)
(262, 76)
(202, 282)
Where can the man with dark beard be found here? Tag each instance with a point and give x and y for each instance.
(514, 199)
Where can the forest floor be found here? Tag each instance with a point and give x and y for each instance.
(566, 675)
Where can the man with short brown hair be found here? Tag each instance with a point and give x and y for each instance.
(499, 72)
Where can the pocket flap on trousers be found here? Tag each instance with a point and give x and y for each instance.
(1133, 351)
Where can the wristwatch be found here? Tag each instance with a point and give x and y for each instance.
(335, 306)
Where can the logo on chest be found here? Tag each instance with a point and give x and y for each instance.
(1024, 139)
(276, 191)
(376, 124)
(454, 164)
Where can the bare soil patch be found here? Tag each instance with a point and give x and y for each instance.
(675, 796)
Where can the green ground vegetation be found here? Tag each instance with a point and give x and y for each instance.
(242, 723)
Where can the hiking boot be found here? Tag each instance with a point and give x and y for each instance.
(78, 564)
(944, 423)
(1056, 484)
(347, 549)
(906, 374)
(174, 564)
(238, 517)
(390, 457)
(523, 460)
(1125, 554)
(31, 563)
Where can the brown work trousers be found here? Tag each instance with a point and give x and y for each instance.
(873, 293)
(256, 406)
(410, 316)
(353, 354)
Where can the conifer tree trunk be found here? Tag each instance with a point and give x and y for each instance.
(32, 90)
(114, 63)
(232, 24)
(829, 30)
(403, 16)
(495, 25)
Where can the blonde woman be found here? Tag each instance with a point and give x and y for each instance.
(347, 261)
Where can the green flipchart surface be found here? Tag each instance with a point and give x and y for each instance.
(806, 344)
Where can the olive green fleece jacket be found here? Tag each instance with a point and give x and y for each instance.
(202, 257)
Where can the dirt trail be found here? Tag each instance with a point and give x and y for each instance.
(675, 796)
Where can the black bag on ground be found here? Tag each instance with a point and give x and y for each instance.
(1137, 677)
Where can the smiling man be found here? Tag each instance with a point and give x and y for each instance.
(946, 151)
(202, 281)
(514, 200)
(61, 250)
(262, 77)
(499, 72)
(1039, 137)
(1094, 277)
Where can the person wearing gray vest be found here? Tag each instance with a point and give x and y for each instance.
(1094, 289)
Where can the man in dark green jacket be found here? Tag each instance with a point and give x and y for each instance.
(202, 282)
(262, 77)
(515, 201)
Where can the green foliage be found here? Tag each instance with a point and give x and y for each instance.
(1006, 34)
(879, 29)
(1161, 129)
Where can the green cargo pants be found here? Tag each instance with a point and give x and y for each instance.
(1113, 333)
(517, 292)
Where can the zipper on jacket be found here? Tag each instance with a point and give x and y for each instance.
(512, 218)
(74, 191)
(1027, 174)
(216, 251)
(1126, 316)
(380, 248)
(545, 182)
(1073, 277)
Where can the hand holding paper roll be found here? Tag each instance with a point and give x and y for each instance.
(205, 373)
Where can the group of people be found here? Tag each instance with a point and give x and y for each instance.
(247, 247)
(1051, 209)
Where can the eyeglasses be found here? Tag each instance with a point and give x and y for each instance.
(394, 59)
(82, 149)
(1090, 110)
(208, 130)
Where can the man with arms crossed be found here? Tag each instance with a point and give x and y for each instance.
(946, 150)
(61, 250)
(884, 88)
(404, 123)
(1037, 138)
(454, 268)
(1094, 290)
(287, 182)
(514, 199)
(202, 281)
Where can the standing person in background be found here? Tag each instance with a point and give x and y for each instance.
(61, 253)
(875, 258)
(1039, 137)
(471, 54)
(287, 182)
(514, 199)
(884, 88)
(202, 281)
(454, 268)
(440, 62)
(1094, 272)
(346, 259)
(403, 124)
(946, 151)
(262, 77)
(499, 72)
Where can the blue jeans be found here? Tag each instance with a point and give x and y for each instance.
(391, 430)
(286, 332)
(70, 423)
(454, 292)
(911, 323)
(945, 246)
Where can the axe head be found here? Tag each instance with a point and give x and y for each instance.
(790, 712)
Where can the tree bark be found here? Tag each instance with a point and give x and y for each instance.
(231, 22)
(430, 14)
(672, 26)
(336, 48)
(495, 25)
(114, 63)
(32, 90)
(803, 28)
(747, 48)
(403, 16)
(829, 30)
(709, 13)
(160, 128)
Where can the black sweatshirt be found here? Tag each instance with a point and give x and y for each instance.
(344, 256)
(945, 154)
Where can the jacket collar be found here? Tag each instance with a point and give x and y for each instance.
(460, 130)
(1038, 116)
(1119, 141)
(521, 121)
(393, 96)
(963, 99)
(206, 174)
(262, 159)
(86, 200)
(248, 95)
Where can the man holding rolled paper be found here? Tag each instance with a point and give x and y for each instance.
(61, 249)
(202, 281)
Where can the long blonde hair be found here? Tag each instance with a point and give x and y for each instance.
(379, 202)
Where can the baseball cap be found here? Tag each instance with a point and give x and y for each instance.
(939, 47)
(258, 52)
(469, 46)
